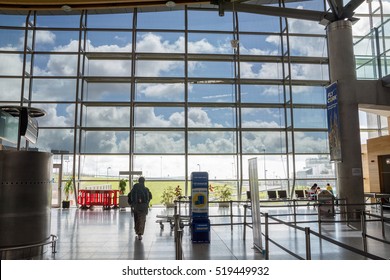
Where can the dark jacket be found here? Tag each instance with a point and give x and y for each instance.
(139, 197)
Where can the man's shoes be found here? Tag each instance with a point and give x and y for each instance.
(139, 237)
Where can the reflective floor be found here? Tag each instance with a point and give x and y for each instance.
(108, 234)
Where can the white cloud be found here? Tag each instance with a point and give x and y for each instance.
(201, 46)
(198, 118)
(45, 37)
(145, 116)
(10, 65)
(264, 71)
(153, 43)
(162, 91)
(51, 118)
(106, 116)
(213, 144)
(152, 142)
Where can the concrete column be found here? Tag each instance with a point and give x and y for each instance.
(342, 69)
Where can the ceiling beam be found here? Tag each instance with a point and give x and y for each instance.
(321, 17)
(349, 9)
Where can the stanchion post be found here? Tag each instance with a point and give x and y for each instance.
(319, 217)
(231, 214)
(308, 249)
(364, 231)
(266, 246)
(295, 212)
(176, 222)
(245, 209)
(179, 249)
(382, 219)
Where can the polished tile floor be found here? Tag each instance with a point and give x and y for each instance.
(108, 235)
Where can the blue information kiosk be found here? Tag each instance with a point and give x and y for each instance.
(200, 223)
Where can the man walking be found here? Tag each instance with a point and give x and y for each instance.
(139, 198)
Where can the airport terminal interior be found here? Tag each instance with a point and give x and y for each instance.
(231, 110)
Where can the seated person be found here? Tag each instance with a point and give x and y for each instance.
(329, 188)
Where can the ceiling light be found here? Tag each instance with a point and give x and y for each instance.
(170, 4)
(66, 8)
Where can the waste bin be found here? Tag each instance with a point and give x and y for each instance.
(325, 201)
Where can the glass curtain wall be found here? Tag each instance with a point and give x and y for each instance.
(371, 48)
(173, 92)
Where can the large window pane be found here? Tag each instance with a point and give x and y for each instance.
(308, 46)
(255, 70)
(270, 167)
(119, 92)
(310, 118)
(262, 94)
(57, 115)
(103, 167)
(156, 142)
(55, 41)
(106, 116)
(262, 117)
(161, 20)
(305, 27)
(309, 72)
(211, 69)
(257, 142)
(161, 42)
(314, 166)
(168, 92)
(109, 21)
(108, 68)
(218, 166)
(159, 68)
(200, 20)
(260, 45)
(164, 166)
(308, 95)
(159, 117)
(105, 142)
(13, 20)
(258, 23)
(14, 38)
(215, 43)
(63, 21)
(211, 93)
(56, 64)
(54, 90)
(311, 142)
(211, 117)
(55, 139)
(10, 89)
(109, 41)
(211, 142)
(11, 64)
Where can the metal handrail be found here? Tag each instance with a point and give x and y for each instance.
(53, 241)
(307, 239)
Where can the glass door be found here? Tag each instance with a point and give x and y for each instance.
(56, 185)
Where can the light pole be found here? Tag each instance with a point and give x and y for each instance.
(161, 167)
(265, 172)
(107, 172)
(198, 166)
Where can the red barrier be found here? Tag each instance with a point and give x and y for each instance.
(106, 198)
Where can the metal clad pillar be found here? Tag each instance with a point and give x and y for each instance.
(25, 201)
